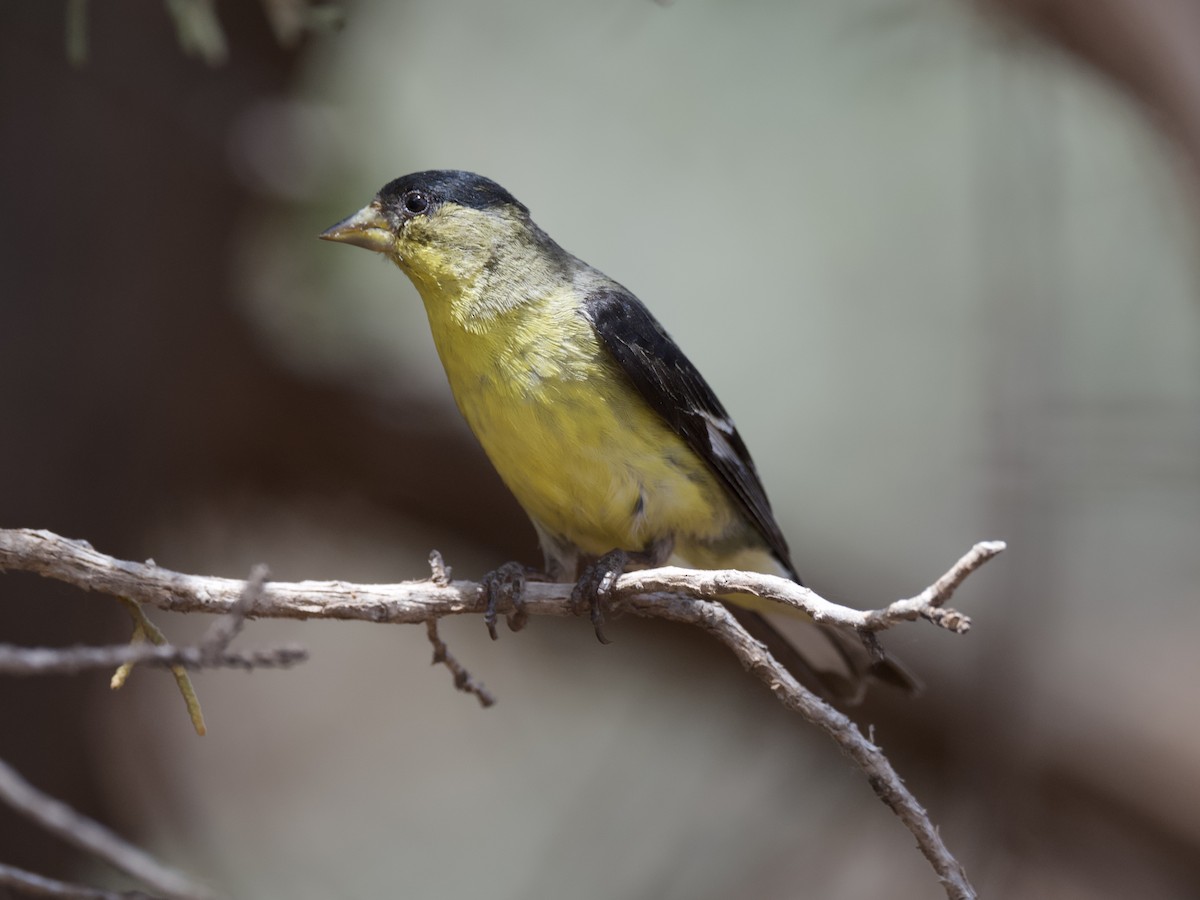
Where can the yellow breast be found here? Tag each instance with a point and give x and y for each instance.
(584, 455)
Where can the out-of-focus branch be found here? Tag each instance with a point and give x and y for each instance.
(92, 837)
(211, 653)
(33, 885)
(1149, 47)
(68, 660)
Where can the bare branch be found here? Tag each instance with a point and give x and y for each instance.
(92, 837)
(415, 602)
(719, 622)
(642, 593)
(929, 604)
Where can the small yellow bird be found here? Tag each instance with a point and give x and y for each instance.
(605, 432)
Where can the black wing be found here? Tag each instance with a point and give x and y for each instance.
(671, 385)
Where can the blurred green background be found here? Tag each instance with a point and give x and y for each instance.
(942, 272)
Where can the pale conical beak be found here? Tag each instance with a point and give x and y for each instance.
(367, 228)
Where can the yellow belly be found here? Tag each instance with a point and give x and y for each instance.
(584, 455)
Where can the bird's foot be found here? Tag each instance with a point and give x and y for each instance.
(594, 589)
(507, 583)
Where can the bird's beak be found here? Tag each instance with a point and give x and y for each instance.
(367, 228)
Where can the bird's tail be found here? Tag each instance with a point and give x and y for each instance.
(853, 671)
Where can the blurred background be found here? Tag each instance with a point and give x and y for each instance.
(957, 244)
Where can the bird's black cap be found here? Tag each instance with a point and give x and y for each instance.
(450, 186)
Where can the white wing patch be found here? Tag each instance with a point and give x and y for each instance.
(720, 430)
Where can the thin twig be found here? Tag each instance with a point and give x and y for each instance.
(931, 602)
(68, 660)
(213, 647)
(439, 572)
(92, 837)
(146, 630)
(222, 632)
(463, 680)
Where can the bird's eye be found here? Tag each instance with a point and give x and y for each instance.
(414, 203)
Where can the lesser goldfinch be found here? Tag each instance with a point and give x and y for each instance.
(608, 436)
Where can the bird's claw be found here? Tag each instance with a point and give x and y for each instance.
(505, 583)
(594, 589)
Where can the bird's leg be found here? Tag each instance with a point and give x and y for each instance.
(595, 586)
(507, 583)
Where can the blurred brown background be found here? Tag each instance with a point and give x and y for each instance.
(956, 244)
